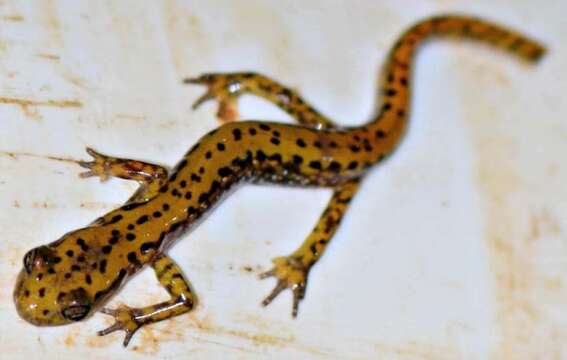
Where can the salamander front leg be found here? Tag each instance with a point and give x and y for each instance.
(227, 87)
(291, 271)
(182, 300)
(150, 177)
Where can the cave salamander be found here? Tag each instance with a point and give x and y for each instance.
(72, 278)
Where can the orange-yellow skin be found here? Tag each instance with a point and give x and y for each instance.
(71, 278)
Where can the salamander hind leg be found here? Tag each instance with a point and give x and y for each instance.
(151, 177)
(292, 271)
(182, 300)
(226, 88)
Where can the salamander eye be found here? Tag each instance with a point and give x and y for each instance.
(29, 260)
(76, 312)
(79, 305)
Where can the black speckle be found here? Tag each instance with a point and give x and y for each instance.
(354, 148)
(260, 155)
(276, 157)
(88, 279)
(164, 189)
(106, 249)
(391, 92)
(275, 141)
(387, 106)
(335, 166)
(130, 226)
(188, 195)
(115, 219)
(68, 275)
(165, 207)
(130, 237)
(208, 155)
(237, 134)
(142, 219)
(252, 131)
(82, 244)
(353, 165)
(221, 147)
(147, 246)
(81, 258)
(133, 259)
(113, 241)
(69, 253)
(301, 143)
(297, 159)
(276, 133)
(315, 165)
(75, 267)
(380, 134)
(102, 266)
(313, 249)
(42, 292)
(202, 198)
(224, 171)
(264, 127)
(183, 183)
(156, 214)
(195, 178)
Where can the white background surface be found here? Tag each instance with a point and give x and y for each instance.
(453, 249)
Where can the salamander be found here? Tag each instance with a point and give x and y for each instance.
(73, 277)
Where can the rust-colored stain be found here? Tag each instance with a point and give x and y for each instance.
(514, 233)
(131, 117)
(417, 350)
(205, 325)
(50, 103)
(93, 205)
(14, 18)
(29, 106)
(543, 224)
(52, 57)
(16, 155)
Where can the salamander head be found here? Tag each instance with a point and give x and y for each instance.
(44, 295)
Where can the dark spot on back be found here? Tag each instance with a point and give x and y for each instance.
(315, 165)
(237, 134)
(142, 219)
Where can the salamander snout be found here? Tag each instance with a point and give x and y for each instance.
(44, 297)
